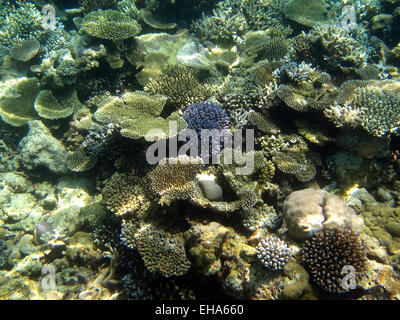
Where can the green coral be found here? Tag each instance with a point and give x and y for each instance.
(110, 25)
(49, 107)
(137, 113)
(16, 101)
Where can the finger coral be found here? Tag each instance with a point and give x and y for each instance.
(273, 253)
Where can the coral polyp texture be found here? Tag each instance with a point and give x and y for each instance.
(273, 253)
(327, 255)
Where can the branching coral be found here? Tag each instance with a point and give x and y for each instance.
(297, 160)
(162, 253)
(232, 19)
(110, 25)
(273, 253)
(123, 194)
(328, 253)
(373, 105)
(180, 85)
(341, 46)
(174, 178)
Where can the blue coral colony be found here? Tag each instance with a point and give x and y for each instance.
(88, 86)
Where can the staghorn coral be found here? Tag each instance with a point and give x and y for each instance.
(162, 253)
(293, 71)
(328, 252)
(232, 19)
(180, 85)
(273, 253)
(342, 48)
(110, 25)
(310, 210)
(23, 22)
(137, 113)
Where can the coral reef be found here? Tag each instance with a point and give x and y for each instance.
(106, 107)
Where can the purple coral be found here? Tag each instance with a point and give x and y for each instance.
(206, 115)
